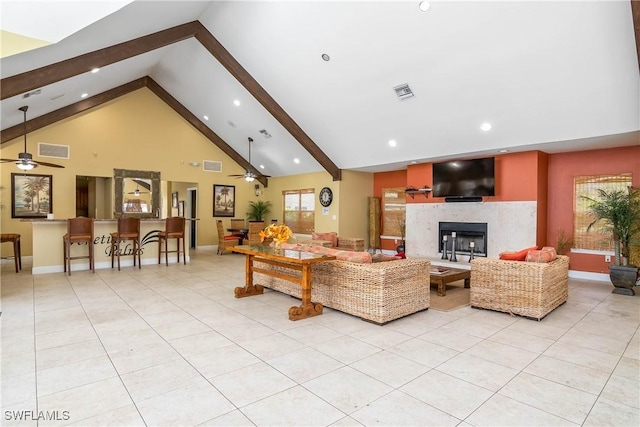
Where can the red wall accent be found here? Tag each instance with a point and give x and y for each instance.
(535, 176)
(562, 169)
(388, 180)
(517, 178)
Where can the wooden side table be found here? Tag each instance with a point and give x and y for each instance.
(17, 254)
(448, 276)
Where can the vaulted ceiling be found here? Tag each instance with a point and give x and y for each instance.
(553, 76)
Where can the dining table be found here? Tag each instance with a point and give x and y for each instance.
(243, 231)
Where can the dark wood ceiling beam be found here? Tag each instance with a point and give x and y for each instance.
(201, 127)
(29, 80)
(70, 110)
(245, 79)
(24, 82)
(104, 97)
(635, 12)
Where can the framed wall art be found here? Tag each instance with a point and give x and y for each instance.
(174, 199)
(181, 208)
(31, 195)
(224, 200)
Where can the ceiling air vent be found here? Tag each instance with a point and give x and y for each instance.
(211, 166)
(32, 93)
(53, 150)
(404, 92)
(266, 134)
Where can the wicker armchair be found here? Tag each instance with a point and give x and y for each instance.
(528, 289)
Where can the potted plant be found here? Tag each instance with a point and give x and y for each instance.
(621, 211)
(258, 210)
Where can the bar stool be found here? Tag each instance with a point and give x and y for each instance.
(174, 229)
(128, 229)
(79, 230)
(17, 253)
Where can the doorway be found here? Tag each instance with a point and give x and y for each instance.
(93, 196)
(192, 204)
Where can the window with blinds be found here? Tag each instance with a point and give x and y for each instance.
(299, 210)
(393, 209)
(598, 238)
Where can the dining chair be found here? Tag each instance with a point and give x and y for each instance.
(238, 224)
(17, 253)
(173, 229)
(128, 229)
(79, 230)
(225, 241)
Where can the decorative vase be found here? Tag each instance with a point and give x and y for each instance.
(623, 279)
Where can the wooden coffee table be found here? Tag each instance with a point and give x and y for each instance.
(448, 276)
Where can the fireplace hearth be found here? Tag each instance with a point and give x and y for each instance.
(465, 234)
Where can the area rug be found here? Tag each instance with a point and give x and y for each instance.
(457, 296)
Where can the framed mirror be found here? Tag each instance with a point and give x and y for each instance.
(137, 193)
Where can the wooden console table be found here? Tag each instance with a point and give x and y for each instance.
(448, 276)
(286, 258)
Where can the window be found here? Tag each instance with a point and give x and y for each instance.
(598, 238)
(393, 208)
(299, 210)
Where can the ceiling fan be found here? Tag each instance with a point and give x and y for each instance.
(250, 175)
(25, 160)
(137, 191)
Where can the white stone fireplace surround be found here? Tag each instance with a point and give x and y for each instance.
(511, 226)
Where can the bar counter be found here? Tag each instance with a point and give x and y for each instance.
(48, 249)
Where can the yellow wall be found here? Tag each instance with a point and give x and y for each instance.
(136, 131)
(12, 43)
(139, 131)
(349, 206)
(355, 188)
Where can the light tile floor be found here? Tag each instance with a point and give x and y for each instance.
(172, 346)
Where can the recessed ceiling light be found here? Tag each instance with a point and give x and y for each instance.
(261, 166)
(485, 126)
(424, 6)
(325, 57)
(206, 117)
(236, 102)
(392, 143)
(413, 162)
(504, 150)
(296, 160)
(84, 95)
(95, 70)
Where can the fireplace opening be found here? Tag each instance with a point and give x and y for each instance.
(467, 234)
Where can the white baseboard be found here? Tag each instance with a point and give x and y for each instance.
(587, 275)
(101, 265)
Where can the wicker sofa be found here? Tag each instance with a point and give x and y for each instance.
(377, 292)
(528, 289)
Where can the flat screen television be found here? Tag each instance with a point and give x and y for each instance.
(464, 178)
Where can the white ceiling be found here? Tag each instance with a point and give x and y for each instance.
(554, 76)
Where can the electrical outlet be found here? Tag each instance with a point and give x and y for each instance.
(607, 258)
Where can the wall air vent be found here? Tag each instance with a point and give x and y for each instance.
(404, 92)
(53, 150)
(266, 134)
(32, 93)
(211, 166)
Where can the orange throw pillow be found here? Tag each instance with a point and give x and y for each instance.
(517, 256)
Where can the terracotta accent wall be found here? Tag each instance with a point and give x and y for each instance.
(542, 196)
(563, 168)
(388, 180)
(517, 178)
